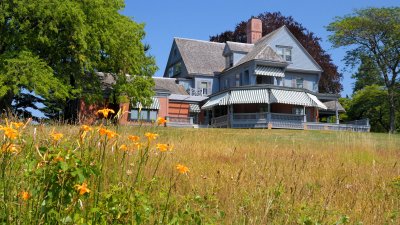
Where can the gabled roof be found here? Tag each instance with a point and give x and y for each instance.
(201, 57)
(262, 53)
(169, 84)
(239, 47)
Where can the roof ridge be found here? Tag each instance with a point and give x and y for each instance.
(189, 39)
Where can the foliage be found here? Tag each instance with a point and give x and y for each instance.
(373, 33)
(65, 43)
(366, 75)
(369, 103)
(330, 78)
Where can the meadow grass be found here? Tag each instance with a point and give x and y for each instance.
(236, 177)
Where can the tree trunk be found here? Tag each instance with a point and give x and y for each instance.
(392, 110)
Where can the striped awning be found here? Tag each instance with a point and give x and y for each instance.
(291, 97)
(194, 108)
(154, 105)
(269, 71)
(317, 102)
(249, 96)
(221, 99)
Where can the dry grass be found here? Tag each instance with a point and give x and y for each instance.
(286, 177)
(283, 176)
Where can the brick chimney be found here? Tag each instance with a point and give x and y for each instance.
(254, 30)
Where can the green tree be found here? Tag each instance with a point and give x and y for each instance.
(65, 43)
(374, 33)
(367, 103)
(330, 78)
(367, 74)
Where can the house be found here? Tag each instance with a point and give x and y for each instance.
(268, 82)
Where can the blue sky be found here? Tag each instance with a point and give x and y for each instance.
(167, 19)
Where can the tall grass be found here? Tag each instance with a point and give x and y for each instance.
(235, 177)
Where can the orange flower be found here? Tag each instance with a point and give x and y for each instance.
(56, 136)
(10, 132)
(123, 147)
(25, 195)
(138, 145)
(134, 138)
(161, 121)
(86, 128)
(10, 148)
(58, 159)
(151, 136)
(110, 134)
(82, 188)
(17, 125)
(105, 112)
(162, 147)
(182, 169)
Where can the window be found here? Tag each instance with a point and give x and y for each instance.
(204, 87)
(246, 80)
(230, 60)
(299, 110)
(299, 82)
(264, 80)
(147, 115)
(285, 52)
(171, 71)
(177, 68)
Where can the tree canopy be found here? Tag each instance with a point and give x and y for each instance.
(54, 48)
(373, 33)
(330, 78)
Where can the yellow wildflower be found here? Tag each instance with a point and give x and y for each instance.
(25, 195)
(56, 136)
(11, 148)
(10, 132)
(86, 128)
(82, 188)
(151, 136)
(58, 159)
(134, 138)
(123, 147)
(182, 169)
(138, 145)
(17, 125)
(161, 121)
(162, 147)
(110, 134)
(102, 131)
(105, 112)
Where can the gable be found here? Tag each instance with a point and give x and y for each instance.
(174, 58)
(301, 59)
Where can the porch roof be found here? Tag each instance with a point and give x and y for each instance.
(154, 105)
(249, 96)
(269, 71)
(318, 102)
(291, 97)
(221, 99)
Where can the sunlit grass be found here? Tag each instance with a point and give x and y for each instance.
(221, 176)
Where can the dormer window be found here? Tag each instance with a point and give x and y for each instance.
(230, 60)
(285, 52)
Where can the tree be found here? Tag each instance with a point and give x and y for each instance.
(366, 75)
(367, 103)
(330, 78)
(374, 33)
(61, 44)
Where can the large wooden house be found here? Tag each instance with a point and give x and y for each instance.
(268, 82)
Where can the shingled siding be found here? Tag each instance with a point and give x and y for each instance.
(300, 59)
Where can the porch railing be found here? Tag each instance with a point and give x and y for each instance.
(221, 121)
(179, 121)
(287, 121)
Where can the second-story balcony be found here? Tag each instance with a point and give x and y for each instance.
(197, 92)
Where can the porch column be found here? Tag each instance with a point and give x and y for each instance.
(268, 113)
(305, 115)
(336, 112)
(230, 116)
